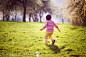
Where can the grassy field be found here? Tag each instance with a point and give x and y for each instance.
(24, 39)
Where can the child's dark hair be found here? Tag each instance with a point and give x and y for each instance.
(48, 17)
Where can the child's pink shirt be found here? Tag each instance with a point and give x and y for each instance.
(49, 25)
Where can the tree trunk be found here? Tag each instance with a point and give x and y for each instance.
(3, 15)
(15, 13)
(30, 17)
(8, 18)
(36, 19)
(62, 20)
(8, 15)
(40, 19)
(15, 17)
(40, 14)
(33, 17)
(24, 14)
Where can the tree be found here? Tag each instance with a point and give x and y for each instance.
(45, 8)
(7, 6)
(33, 7)
(38, 9)
(75, 8)
(2, 7)
(10, 4)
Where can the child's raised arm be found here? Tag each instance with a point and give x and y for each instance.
(57, 27)
(58, 30)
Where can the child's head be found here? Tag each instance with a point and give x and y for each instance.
(48, 17)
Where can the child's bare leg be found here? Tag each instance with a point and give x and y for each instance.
(46, 42)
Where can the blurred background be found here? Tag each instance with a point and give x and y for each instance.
(62, 11)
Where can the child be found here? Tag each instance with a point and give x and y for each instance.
(49, 25)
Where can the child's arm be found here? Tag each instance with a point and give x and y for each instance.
(58, 30)
(57, 27)
(44, 26)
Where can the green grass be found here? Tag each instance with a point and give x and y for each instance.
(23, 39)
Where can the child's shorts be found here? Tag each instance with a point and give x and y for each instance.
(48, 34)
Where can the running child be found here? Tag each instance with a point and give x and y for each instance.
(49, 25)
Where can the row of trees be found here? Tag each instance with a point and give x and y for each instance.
(75, 10)
(31, 7)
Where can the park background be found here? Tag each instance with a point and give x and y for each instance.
(22, 19)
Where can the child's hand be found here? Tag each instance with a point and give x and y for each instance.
(41, 29)
(59, 31)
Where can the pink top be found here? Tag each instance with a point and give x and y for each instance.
(49, 25)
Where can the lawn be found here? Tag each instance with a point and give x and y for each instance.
(24, 39)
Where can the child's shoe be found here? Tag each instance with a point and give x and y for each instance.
(53, 42)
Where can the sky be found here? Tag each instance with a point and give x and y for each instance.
(57, 2)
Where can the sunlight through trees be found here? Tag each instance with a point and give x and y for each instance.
(75, 9)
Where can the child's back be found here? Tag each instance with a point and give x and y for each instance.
(49, 25)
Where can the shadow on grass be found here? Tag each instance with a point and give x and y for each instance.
(54, 48)
(73, 28)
